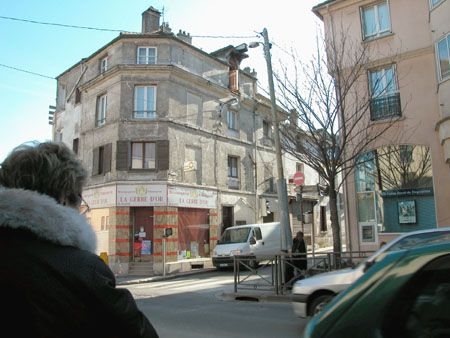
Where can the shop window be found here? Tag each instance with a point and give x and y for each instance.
(193, 233)
(394, 190)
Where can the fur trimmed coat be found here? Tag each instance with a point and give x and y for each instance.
(52, 284)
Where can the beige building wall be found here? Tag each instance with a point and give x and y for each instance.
(411, 47)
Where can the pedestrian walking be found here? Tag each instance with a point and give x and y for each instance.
(52, 284)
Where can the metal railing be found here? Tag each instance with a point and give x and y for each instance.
(385, 106)
(284, 269)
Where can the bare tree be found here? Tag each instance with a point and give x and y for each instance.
(332, 110)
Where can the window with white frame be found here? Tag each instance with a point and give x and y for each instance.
(233, 167)
(143, 155)
(102, 106)
(144, 102)
(385, 98)
(375, 20)
(146, 55)
(232, 120)
(443, 52)
(104, 65)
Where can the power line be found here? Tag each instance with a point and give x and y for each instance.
(118, 30)
(27, 71)
(61, 25)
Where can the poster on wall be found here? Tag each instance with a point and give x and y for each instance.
(146, 247)
(368, 233)
(406, 212)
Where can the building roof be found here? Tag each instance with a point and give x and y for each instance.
(157, 35)
(317, 7)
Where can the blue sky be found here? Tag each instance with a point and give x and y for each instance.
(50, 50)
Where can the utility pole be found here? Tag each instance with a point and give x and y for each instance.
(286, 238)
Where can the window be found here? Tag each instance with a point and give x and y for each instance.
(233, 173)
(443, 52)
(77, 95)
(75, 144)
(232, 166)
(144, 102)
(323, 218)
(102, 159)
(375, 20)
(102, 224)
(232, 119)
(143, 155)
(385, 101)
(146, 55)
(101, 110)
(267, 129)
(103, 65)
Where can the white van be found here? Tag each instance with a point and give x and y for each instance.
(257, 242)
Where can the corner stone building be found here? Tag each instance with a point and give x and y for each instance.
(172, 138)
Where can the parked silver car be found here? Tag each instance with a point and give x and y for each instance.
(310, 295)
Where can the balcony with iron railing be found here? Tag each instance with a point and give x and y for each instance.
(385, 107)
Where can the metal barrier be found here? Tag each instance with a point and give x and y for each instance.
(284, 271)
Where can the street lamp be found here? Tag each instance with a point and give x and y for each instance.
(286, 238)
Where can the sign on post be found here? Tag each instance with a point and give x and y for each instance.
(299, 178)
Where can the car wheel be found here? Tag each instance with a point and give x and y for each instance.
(253, 264)
(318, 303)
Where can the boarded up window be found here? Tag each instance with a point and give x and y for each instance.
(194, 111)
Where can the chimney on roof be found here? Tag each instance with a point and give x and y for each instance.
(150, 20)
(186, 37)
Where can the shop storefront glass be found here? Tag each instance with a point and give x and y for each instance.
(394, 190)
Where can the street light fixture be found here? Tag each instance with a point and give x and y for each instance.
(286, 238)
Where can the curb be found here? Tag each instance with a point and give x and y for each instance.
(139, 280)
(256, 297)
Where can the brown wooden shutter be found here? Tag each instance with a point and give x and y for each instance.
(122, 155)
(95, 161)
(162, 155)
(107, 154)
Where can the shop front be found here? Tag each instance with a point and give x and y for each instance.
(394, 192)
(139, 214)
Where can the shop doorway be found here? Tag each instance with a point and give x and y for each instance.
(227, 217)
(142, 234)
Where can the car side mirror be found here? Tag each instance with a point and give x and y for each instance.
(252, 240)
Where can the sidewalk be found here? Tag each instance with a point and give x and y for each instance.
(241, 295)
(127, 280)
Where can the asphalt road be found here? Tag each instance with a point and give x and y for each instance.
(193, 306)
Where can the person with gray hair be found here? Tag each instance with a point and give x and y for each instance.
(52, 284)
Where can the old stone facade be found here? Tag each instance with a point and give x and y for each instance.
(172, 138)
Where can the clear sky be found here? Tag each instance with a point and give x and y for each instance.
(50, 50)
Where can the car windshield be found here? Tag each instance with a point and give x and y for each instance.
(235, 236)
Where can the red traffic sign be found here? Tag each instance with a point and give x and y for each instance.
(299, 178)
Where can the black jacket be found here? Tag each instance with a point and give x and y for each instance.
(52, 284)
